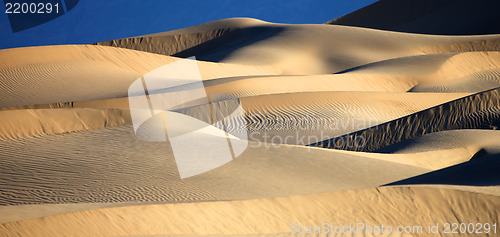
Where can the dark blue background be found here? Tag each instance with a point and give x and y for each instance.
(93, 20)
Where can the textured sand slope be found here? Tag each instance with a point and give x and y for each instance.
(114, 166)
(304, 118)
(308, 117)
(315, 114)
(123, 170)
(320, 116)
(266, 216)
(13, 213)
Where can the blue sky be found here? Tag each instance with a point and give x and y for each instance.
(96, 20)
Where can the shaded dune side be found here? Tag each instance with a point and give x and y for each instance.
(480, 171)
(480, 110)
(445, 17)
(271, 216)
(177, 42)
(218, 34)
(169, 44)
(186, 45)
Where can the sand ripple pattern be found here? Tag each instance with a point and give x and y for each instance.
(48, 173)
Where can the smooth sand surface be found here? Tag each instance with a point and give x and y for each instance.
(273, 216)
(71, 164)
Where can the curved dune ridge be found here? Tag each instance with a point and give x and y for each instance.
(424, 107)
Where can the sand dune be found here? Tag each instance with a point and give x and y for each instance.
(390, 75)
(316, 115)
(72, 165)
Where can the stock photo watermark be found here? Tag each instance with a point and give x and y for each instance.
(429, 228)
(26, 14)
